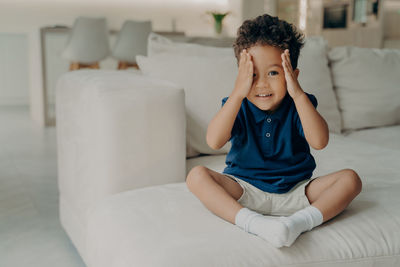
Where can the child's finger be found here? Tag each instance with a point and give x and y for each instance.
(285, 64)
(283, 60)
(248, 57)
(245, 54)
(288, 59)
(251, 68)
(242, 58)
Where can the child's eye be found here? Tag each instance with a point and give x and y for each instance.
(270, 73)
(273, 72)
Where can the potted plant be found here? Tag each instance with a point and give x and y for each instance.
(218, 18)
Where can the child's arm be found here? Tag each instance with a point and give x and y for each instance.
(314, 126)
(220, 127)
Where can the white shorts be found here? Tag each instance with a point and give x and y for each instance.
(272, 203)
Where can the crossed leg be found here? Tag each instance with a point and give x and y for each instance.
(333, 192)
(216, 191)
(330, 193)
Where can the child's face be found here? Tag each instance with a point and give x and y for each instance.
(268, 77)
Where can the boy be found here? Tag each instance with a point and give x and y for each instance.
(271, 122)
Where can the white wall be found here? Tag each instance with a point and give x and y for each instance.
(13, 69)
(20, 21)
(190, 15)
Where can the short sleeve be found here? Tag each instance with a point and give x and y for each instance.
(236, 125)
(299, 126)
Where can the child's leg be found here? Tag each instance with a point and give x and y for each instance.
(220, 193)
(329, 195)
(216, 191)
(332, 193)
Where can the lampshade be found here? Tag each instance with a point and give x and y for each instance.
(132, 40)
(88, 41)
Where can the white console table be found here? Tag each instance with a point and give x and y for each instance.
(48, 65)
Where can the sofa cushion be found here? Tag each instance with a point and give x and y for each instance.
(206, 80)
(158, 44)
(367, 82)
(313, 59)
(387, 137)
(168, 226)
(315, 78)
(172, 61)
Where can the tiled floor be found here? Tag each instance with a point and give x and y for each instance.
(30, 231)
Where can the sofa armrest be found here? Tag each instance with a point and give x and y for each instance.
(117, 131)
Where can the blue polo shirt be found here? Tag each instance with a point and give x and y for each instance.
(270, 151)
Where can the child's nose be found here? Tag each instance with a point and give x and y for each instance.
(262, 82)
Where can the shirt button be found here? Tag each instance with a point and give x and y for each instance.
(267, 134)
(269, 120)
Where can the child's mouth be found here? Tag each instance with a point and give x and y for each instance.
(264, 96)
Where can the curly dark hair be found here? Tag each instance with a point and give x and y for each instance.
(269, 30)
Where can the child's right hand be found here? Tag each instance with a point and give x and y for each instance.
(244, 79)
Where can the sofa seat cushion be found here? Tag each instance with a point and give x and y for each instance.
(387, 137)
(166, 225)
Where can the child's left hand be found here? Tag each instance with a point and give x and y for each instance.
(292, 84)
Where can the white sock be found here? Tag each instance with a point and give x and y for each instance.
(269, 229)
(281, 231)
(301, 221)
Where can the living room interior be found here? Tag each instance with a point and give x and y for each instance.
(40, 150)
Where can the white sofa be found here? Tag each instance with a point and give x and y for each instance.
(126, 140)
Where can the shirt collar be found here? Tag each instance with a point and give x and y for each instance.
(260, 115)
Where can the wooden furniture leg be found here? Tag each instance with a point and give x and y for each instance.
(78, 65)
(122, 65)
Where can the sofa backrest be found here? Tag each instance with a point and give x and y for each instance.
(207, 74)
(367, 84)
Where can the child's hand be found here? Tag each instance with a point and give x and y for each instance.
(244, 79)
(292, 84)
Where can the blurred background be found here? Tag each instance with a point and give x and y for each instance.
(33, 33)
